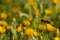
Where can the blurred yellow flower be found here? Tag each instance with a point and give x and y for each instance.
(56, 1)
(42, 27)
(26, 23)
(57, 32)
(48, 11)
(2, 30)
(1, 22)
(36, 13)
(36, 34)
(57, 38)
(29, 19)
(19, 29)
(8, 27)
(4, 15)
(32, 3)
(4, 23)
(50, 28)
(29, 32)
(15, 9)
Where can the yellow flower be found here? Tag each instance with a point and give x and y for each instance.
(56, 38)
(4, 15)
(8, 27)
(57, 32)
(42, 27)
(32, 3)
(19, 29)
(50, 27)
(2, 30)
(56, 1)
(36, 13)
(16, 9)
(1, 23)
(35, 34)
(4, 23)
(29, 18)
(26, 23)
(29, 32)
(48, 11)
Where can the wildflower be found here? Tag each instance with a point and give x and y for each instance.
(50, 27)
(48, 11)
(35, 34)
(32, 3)
(56, 38)
(29, 32)
(26, 23)
(36, 13)
(56, 1)
(0, 22)
(42, 27)
(2, 30)
(57, 32)
(4, 23)
(4, 15)
(29, 18)
(8, 27)
(19, 29)
(16, 9)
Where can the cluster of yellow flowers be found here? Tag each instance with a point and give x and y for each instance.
(32, 25)
(30, 32)
(4, 26)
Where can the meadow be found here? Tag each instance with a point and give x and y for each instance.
(29, 19)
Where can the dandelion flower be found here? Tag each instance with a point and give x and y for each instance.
(29, 32)
(56, 38)
(26, 23)
(35, 34)
(4, 15)
(42, 27)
